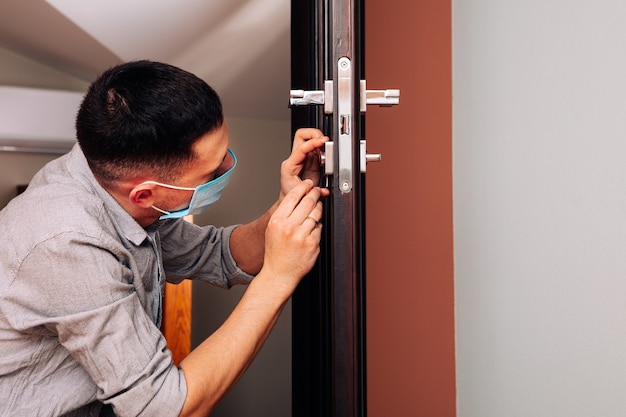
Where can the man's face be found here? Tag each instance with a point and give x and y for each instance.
(212, 160)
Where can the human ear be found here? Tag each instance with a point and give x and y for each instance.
(142, 195)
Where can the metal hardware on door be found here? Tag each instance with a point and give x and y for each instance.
(344, 111)
(327, 158)
(383, 98)
(304, 97)
(389, 97)
(368, 157)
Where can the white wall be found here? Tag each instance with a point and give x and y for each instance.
(38, 119)
(17, 168)
(540, 207)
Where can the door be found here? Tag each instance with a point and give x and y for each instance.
(176, 325)
(329, 306)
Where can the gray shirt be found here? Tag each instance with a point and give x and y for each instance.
(81, 287)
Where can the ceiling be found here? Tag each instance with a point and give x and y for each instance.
(239, 47)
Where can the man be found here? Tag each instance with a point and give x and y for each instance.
(87, 248)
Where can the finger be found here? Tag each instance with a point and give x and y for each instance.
(293, 198)
(312, 160)
(303, 157)
(313, 144)
(313, 229)
(316, 214)
(316, 231)
(307, 133)
(309, 207)
(309, 142)
(310, 221)
(311, 166)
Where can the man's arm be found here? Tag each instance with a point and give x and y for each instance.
(291, 248)
(247, 242)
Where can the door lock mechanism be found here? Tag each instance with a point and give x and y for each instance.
(327, 158)
(340, 102)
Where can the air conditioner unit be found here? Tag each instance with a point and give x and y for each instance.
(37, 120)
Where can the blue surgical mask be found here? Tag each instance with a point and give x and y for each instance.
(203, 195)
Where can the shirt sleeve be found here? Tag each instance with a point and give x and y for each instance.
(79, 288)
(199, 253)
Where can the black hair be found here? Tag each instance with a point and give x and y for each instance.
(143, 117)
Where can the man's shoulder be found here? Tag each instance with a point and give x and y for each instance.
(47, 212)
(54, 203)
(60, 193)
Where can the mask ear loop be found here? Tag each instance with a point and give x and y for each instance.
(161, 211)
(175, 187)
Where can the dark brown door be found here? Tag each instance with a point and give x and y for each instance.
(330, 93)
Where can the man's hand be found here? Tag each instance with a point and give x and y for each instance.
(303, 163)
(247, 243)
(292, 238)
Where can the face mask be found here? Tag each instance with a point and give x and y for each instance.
(203, 195)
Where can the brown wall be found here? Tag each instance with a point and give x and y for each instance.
(410, 292)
